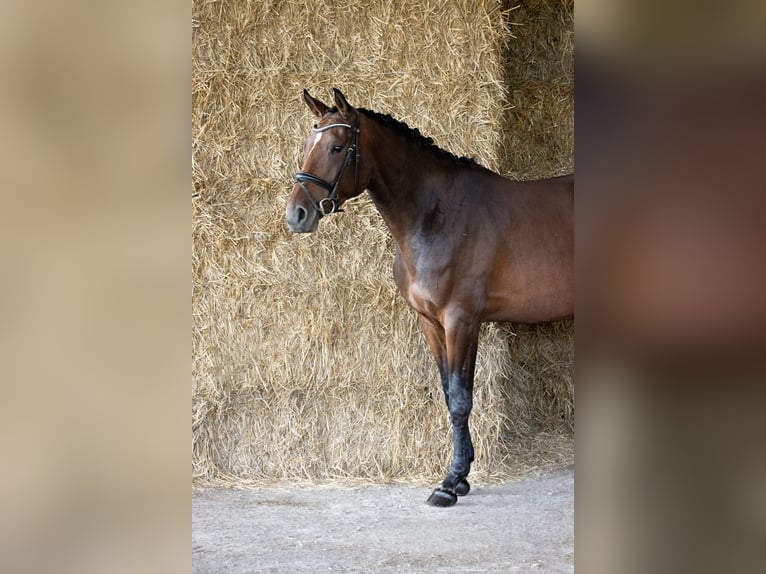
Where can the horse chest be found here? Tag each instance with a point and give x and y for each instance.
(424, 291)
(421, 298)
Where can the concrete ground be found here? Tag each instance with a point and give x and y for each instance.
(522, 526)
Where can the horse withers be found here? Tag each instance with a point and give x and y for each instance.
(471, 246)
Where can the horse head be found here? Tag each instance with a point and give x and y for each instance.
(330, 172)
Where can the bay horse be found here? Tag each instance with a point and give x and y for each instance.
(471, 245)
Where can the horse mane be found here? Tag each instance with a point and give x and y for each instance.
(412, 134)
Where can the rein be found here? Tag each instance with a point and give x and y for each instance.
(302, 177)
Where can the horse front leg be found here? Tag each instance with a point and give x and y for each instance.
(437, 342)
(461, 345)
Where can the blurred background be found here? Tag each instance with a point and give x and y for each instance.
(670, 235)
(94, 313)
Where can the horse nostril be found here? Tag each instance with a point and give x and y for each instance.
(301, 214)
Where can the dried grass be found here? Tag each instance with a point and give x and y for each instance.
(306, 362)
(538, 67)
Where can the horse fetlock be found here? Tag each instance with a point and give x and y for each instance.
(457, 472)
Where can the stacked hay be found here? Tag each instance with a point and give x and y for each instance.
(539, 75)
(307, 364)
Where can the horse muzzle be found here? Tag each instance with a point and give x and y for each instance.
(301, 218)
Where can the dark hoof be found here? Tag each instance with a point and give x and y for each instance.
(462, 487)
(441, 497)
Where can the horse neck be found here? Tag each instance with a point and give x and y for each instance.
(406, 181)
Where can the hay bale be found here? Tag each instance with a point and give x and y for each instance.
(539, 130)
(538, 69)
(307, 363)
(541, 45)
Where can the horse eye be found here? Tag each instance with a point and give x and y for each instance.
(336, 149)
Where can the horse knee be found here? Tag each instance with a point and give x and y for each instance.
(459, 410)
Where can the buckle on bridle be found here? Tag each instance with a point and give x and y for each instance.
(333, 206)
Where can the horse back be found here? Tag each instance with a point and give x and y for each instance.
(531, 276)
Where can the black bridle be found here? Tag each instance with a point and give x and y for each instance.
(302, 177)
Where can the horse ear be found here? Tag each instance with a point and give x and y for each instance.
(319, 108)
(340, 100)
